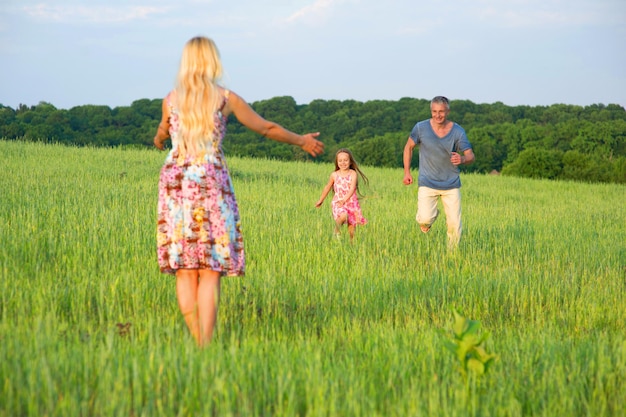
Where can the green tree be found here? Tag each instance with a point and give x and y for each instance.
(535, 163)
(150, 109)
(60, 130)
(281, 110)
(382, 151)
(88, 120)
(10, 127)
(619, 170)
(487, 143)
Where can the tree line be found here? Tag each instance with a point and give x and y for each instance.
(560, 141)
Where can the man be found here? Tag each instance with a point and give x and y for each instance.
(443, 146)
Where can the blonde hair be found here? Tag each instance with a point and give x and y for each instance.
(197, 94)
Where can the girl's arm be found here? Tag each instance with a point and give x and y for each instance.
(326, 190)
(163, 131)
(253, 121)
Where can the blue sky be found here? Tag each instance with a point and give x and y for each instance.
(519, 52)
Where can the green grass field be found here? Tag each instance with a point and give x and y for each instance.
(89, 326)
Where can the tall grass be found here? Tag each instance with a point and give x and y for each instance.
(88, 325)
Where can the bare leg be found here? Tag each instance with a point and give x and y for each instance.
(340, 221)
(351, 229)
(208, 302)
(198, 293)
(187, 293)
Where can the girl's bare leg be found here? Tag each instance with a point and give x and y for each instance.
(351, 229)
(340, 221)
(208, 302)
(187, 294)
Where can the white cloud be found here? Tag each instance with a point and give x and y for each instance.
(320, 9)
(92, 14)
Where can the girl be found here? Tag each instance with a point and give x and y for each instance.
(345, 185)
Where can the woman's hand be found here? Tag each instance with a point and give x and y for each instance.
(163, 130)
(159, 143)
(311, 145)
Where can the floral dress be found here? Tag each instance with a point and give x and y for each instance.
(341, 187)
(198, 223)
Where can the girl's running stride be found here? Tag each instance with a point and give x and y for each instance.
(344, 182)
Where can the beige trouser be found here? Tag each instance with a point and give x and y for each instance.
(427, 211)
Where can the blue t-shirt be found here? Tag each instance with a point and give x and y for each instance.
(435, 169)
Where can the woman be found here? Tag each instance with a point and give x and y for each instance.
(198, 232)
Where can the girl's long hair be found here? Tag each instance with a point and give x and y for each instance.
(353, 165)
(197, 94)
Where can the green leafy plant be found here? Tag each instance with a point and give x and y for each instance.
(467, 346)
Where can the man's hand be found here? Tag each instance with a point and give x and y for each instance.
(456, 159)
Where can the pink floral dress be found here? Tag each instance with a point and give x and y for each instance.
(198, 218)
(341, 187)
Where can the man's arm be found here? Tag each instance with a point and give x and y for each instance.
(468, 156)
(407, 155)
